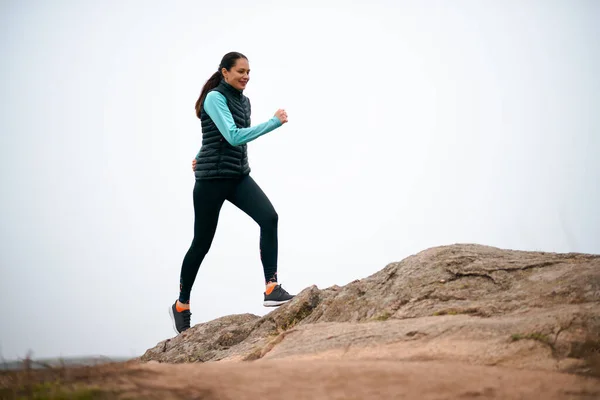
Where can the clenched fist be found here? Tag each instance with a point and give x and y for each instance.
(282, 115)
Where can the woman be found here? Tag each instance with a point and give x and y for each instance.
(222, 173)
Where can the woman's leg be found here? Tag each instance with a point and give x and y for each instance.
(250, 198)
(209, 196)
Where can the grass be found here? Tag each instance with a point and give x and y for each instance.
(383, 317)
(54, 390)
(445, 312)
(540, 337)
(44, 381)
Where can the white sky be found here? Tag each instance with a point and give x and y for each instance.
(412, 124)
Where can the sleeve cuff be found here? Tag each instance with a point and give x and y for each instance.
(276, 121)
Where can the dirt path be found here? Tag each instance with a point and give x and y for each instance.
(312, 379)
(320, 379)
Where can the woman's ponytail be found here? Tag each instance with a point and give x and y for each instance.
(210, 84)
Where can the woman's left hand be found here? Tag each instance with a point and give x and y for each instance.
(194, 164)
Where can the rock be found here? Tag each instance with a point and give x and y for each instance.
(209, 341)
(467, 302)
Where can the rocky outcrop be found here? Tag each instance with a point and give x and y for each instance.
(471, 303)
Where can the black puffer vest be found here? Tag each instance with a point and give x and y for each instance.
(217, 158)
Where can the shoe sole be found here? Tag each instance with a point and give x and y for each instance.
(274, 303)
(173, 320)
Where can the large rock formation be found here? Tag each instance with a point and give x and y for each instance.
(471, 303)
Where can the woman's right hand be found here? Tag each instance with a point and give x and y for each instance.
(282, 115)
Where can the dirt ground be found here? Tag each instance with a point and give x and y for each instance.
(310, 379)
(363, 379)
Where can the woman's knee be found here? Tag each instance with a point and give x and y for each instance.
(270, 220)
(200, 247)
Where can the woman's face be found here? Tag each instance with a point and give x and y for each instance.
(239, 75)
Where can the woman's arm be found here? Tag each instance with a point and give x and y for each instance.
(215, 106)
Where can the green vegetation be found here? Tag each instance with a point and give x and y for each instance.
(540, 337)
(55, 391)
(445, 312)
(383, 317)
(297, 317)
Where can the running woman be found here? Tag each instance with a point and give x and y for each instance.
(222, 173)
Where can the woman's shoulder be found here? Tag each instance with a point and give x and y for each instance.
(215, 96)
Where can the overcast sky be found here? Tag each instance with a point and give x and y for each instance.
(412, 124)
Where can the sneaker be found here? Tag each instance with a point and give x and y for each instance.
(277, 297)
(180, 318)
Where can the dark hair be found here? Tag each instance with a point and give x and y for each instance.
(227, 62)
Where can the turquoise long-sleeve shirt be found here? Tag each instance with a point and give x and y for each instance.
(215, 105)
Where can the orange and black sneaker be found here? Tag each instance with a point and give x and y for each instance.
(275, 295)
(180, 316)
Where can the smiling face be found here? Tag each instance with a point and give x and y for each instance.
(239, 75)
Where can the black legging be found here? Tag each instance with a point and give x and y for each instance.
(209, 196)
